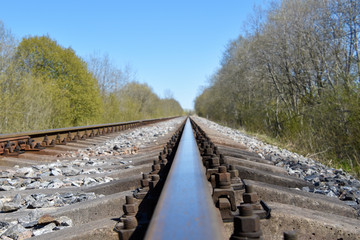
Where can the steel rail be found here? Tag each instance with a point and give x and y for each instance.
(15, 143)
(185, 209)
(80, 128)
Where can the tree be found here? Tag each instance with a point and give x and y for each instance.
(7, 47)
(110, 80)
(73, 91)
(44, 85)
(138, 101)
(294, 76)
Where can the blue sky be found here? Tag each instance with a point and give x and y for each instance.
(171, 45)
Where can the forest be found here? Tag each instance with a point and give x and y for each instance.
(44, 85)
(293, 75)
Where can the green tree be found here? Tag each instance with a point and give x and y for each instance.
(72, 89)
(110, 80)
(138, 101)
(170, 107)
(294, 76)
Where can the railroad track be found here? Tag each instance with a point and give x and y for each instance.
(18, 143)
(187, 183)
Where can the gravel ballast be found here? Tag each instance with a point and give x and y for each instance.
(74, 170)
(325, 180)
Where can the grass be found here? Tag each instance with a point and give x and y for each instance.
(323, 157)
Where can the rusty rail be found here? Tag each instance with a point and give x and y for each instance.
(185, 209)
(16, 143)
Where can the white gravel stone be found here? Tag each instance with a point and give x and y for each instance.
(14, 231)
(329, 181)
(66, 173)
(46, 229)
(25, 172)
(65, 221)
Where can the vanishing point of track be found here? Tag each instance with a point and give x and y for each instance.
(191, 183)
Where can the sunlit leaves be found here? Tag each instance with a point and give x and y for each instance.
(295, 77)
(44, 85)
(73, 90)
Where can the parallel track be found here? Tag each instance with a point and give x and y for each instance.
(200, 186)
(16, 143)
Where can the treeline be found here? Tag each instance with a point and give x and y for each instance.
(44, 85)
(295, 76)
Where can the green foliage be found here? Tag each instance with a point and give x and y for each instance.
(23, 99)
(73, 90)
(138, 101)
(170, 107)
(295, 78)
(24, 103)
(44, 85)
(125, 99)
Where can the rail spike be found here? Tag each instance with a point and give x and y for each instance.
(224, 179)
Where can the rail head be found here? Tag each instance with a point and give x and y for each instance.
(14, 144)
(185, 209)
(80, 128)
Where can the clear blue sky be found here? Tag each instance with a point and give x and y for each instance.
(173, 45)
